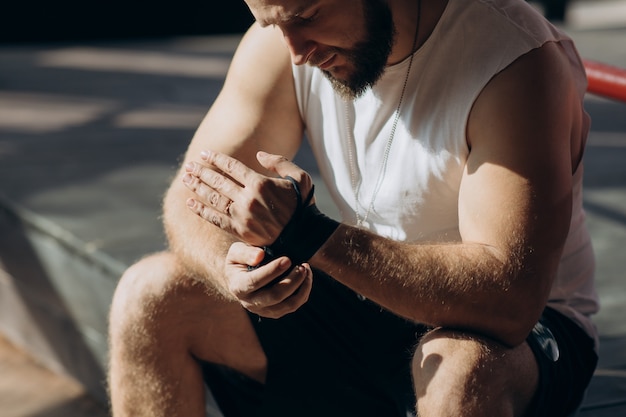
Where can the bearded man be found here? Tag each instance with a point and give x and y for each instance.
(459, 279)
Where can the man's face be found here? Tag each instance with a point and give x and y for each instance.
(367, 57)
(349, 40)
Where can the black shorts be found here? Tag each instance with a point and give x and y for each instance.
(563, 379)
(340, 355)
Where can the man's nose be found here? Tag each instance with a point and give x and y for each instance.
(299, 46)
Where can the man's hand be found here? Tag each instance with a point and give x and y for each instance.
(251, 206)
(259, 290)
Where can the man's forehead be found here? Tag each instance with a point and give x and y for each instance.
(278, 11)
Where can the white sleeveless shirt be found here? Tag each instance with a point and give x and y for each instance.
(418, 198)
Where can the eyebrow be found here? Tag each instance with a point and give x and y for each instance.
(288, 16)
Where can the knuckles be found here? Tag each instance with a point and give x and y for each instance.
(214, 181)
(214, 198)
(230, 165)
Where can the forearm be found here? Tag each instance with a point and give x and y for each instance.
(200, 246)
(469, 286)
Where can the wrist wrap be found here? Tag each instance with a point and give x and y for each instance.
(305, 233)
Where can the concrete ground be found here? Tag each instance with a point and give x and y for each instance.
(89, 139)
(27, 389)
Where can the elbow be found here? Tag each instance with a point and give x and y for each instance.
(505, 331)
(516, 310)
(524, 298)
(515, 333)
(519, 314)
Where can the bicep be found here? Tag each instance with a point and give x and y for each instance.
(517, 186)
(255, 110)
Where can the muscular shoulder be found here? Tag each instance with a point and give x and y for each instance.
(534, 100)
(256, 108)
(261, 65)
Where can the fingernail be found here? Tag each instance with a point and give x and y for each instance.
(285, 262)
(204, 155)
(191, 202)
(189, 166)
(187, 179)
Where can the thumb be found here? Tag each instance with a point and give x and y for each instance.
(280, 165)
(285, 168)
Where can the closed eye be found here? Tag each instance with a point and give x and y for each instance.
(308, 19)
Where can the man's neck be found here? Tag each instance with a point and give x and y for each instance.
(405, 15)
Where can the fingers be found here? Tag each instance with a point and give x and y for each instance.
(215, 195)
(242, 254)
(252, 207)
(211, 185)
(214, 198)
(256, 289)
(283, 297)
(284, 168)
(218, 212)
(230, 166)
(278, 164)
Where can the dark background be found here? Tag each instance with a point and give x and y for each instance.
(70, 20)
(73, 20)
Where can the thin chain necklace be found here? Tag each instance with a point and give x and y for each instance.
(360, 221)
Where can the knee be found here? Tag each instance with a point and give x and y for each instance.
(457, 374)
(142, 294)
(444, 365)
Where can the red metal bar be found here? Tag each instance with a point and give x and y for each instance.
(605, 80)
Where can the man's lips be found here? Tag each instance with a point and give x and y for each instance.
(325, 65)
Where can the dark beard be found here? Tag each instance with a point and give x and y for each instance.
(368, 57)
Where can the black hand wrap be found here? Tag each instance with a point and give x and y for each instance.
(305, 233)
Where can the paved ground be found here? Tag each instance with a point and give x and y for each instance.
(90, 135)
(29, 390)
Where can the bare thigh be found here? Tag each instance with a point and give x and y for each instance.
(162, 323)
(458, 374)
